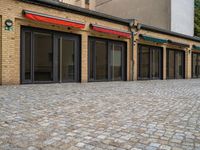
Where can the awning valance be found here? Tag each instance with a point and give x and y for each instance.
(178, 44)
(52, 19)
(108, 30)
(153, 39)
(194, 47)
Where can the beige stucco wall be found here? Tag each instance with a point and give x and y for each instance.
(150, 12)
(80, 3)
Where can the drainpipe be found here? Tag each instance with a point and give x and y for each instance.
(131, 26)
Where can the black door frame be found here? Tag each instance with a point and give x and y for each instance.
(77, 56)
(55, 47)
(198, 55)
(183, 63)
(160, 49)
(109, 43)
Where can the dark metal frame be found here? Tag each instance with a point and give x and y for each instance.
(183, 63)
(109, 43)
(150, 62)
(55, 49)
(198, 55)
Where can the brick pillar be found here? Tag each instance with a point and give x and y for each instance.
(0, 50)
(10, 62)
(188, 63)
(135, 63)
(164, 62)
(128, 58)
(84, 58)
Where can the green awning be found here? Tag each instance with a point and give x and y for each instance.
(196, 47)
(153, 39)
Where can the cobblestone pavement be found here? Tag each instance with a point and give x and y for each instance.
(101, 116)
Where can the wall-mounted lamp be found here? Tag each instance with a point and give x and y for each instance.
(8, 25)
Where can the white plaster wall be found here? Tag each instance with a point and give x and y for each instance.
(182, 16)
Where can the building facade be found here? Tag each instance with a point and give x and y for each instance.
(174, 15)
(52, 42)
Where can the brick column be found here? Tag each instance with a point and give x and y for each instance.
(0, 50)
(164, 62)
(9, 59)
(188, 63)
(84, 57)
(135, 54)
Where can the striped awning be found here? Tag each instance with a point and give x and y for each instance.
(52, 19)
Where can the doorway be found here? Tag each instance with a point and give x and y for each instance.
(49, 56)
(175, 64)
(196, 65)
(149, 62)
(106, 60)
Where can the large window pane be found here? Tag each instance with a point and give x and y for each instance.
(194, 65)
(156, 63)
(198, 67)
(91, 60)
(101, 60)
(116, 68)
(27, 56)
(144, 62)
(43, 57)
(171, 61)
(68, 58)
(179, 65)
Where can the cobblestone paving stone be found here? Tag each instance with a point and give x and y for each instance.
(149, 115)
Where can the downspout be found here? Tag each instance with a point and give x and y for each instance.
(131, 26)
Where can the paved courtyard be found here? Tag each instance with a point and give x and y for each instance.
(101, 116)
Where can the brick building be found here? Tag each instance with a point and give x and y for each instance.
(51, 42)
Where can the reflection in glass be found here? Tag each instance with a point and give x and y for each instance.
(91, 60)
(175, 64)
(179, 65)
(43, 57)
(68, 66)
(171, 68)
(27, 56)
(145, 69)
(116, 67)
(101, 60)
(155, 63)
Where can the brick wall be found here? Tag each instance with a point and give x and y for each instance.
(12, 9)
(10, 40)
(0, 49)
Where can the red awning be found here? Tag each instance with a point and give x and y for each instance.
(103, 29)
(53, 20)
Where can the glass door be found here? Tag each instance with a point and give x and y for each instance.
(49, 56)
(116, 65)
(196, 65)
(149, 62)
(106, 60)
(43, 57)
(68, 58)
(36, 56)
(156, 63)
(175, 64)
